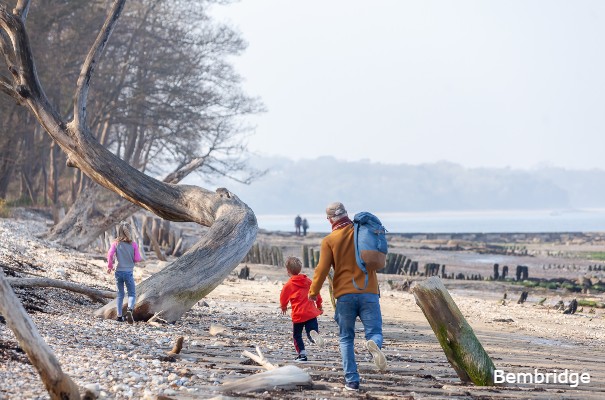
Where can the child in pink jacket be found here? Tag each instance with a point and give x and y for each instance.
(126, 253)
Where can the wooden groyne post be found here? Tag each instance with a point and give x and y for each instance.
(462, 348)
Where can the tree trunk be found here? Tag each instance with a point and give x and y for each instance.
(83, 223)
(462, 348)
(181, 284)
(58, 385)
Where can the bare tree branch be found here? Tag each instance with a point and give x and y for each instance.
(89, 65)
(7, 87)
(26, 83)
(21, 9)
(95, 294)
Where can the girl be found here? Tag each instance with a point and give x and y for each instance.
(127, 253)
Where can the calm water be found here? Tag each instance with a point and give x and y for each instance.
(461, 222)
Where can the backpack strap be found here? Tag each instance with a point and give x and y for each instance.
(360, 263)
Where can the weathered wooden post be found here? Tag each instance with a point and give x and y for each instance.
(406, 266)
(496, 273)
(399, 260)
(525, 273)
(305, 254)
(523, 297)
(519, 271)
(462, 348)
(312, 257)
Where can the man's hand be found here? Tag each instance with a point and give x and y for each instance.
(283, 311)
(313, 297)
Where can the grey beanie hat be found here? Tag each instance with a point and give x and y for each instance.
(335, 210)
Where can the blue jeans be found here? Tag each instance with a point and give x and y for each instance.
(125, 278)
(366, 306)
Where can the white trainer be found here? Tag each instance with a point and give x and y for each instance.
(319, 341)
(379, 359)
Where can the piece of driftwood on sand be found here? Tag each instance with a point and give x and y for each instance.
(58, 384)
(289, 376)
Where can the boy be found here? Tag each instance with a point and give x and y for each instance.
(304, 311)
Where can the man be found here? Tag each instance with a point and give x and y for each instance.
(297, 222)
(338, 250)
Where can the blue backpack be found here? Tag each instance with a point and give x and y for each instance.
(370, 244)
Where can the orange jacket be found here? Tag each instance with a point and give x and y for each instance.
(296, 292)
(338, 249)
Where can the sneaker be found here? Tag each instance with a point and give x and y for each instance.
(120, 319)
(300, 358)
(129, 316)
(353, 386)
(317, 339)
(379, 359)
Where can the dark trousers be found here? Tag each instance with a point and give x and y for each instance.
(297, 329)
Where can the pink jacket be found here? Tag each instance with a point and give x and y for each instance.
(126, 253)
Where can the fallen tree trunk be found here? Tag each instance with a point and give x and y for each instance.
(58, 385)
(462, 348)
(83, 223)
(95, 294)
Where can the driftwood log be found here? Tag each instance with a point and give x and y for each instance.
(58, 384)
(286, 377)
(95, 294)
(462, 348)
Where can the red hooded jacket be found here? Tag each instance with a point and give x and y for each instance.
(296, 292)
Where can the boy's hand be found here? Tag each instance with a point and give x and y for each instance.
(283, 311)
(313, 297)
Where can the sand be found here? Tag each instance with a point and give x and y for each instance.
(127, 361)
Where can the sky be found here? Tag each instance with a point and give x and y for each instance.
(483, 83)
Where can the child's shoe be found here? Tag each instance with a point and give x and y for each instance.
(379, 359)
(352, 386)
(301, 358)
(120, 318)
(317, 339)
(129, 316)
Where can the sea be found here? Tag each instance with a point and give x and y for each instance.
(502, 221)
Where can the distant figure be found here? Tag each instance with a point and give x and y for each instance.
(304, 311)
(126, 253)
(305, 226)
(297, 223)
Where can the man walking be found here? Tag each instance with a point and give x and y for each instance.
(338, 250)
(297, 223)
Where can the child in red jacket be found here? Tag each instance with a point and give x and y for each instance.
(304, 311)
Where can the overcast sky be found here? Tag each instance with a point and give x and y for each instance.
(480, 83)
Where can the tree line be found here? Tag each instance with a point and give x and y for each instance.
(164, 94)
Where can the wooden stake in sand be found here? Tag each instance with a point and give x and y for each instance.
(462, 348)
